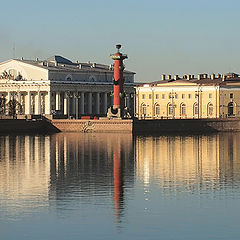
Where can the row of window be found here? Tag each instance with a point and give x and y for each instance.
(170, 109)
(176, 96)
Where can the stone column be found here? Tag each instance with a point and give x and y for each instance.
(65, 104)
(58, 101)
(74, 104)
(90, 103)
(39, 103)
(97, 103)
(9, 96)
(105, 103)
(48, 104)
(28, 105)
(82, 111)
(19, 102)
(77, 107)
(8, 99)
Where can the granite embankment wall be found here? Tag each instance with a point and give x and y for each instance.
(101, 125)
(9, 126)
(187, 125)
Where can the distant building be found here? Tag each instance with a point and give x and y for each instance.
(57, 86)
(206, 96)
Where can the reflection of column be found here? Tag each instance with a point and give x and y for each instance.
(118, 184)
(82, 103)
(47, 146)
(65, 154)
(6, 155)
(37, 154)
(57, 155)
(90, 103)
(97, 103)
(27, 156)
(18, 151)
(105, 103)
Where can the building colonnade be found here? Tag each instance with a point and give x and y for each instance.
(69, 103)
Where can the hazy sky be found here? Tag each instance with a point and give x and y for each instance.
(159, 36)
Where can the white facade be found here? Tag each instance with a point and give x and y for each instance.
(58, 87)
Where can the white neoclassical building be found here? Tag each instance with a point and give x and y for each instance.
(58, 86)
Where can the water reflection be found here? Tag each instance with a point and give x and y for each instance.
(24, 173)
(189, 163)
(91, 167)
(62, 171)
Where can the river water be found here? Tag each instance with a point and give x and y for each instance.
(119, 186)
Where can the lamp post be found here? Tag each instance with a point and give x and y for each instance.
(77, 95)
(197, 93)
(172, 96)
(19, 110)
(14, 104)
(69, 96)
(133, 110)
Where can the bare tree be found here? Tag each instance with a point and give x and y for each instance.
(2, 106)
(13, 107)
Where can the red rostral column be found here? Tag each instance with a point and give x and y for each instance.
(118, 101)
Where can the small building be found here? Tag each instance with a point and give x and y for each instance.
(213, 96)
(58, 86)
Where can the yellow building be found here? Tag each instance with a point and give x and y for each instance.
(206, 96)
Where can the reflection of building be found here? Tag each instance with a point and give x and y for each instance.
(189, 162)
(24, 172)
(189, 97)
(38, 171)
(58, 85)
(94, 165)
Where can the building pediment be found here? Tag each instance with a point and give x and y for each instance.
(19, 70)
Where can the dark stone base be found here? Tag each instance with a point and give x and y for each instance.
(187, 125)
(114, 113)
(26, 126)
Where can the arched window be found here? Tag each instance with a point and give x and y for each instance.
(195, 109)
(170, 109)
(183, 109)
(210, 109)
(230, 109)
(92, 78)
(143, 109)
(68, 77)
(157, 109)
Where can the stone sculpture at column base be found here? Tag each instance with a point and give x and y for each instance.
(116, 113)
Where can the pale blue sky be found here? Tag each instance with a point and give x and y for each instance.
(164, 36)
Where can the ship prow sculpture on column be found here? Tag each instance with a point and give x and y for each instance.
(117, 111)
